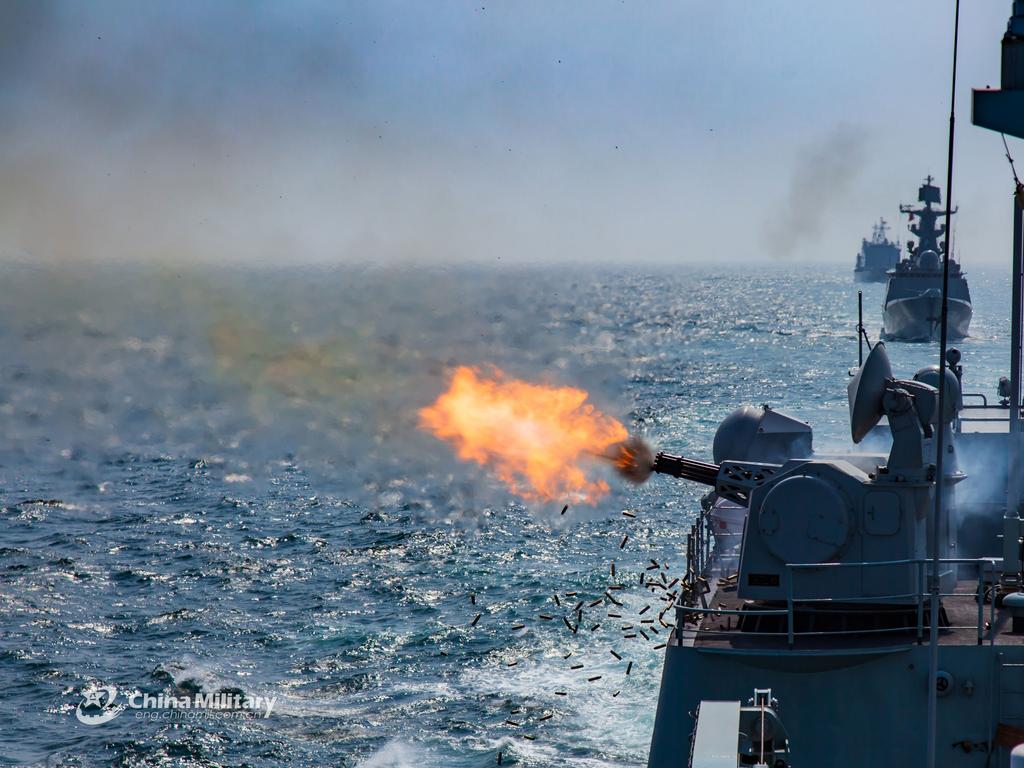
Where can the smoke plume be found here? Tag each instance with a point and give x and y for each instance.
(822, 184)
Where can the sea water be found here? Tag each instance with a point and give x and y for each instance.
(213, 483)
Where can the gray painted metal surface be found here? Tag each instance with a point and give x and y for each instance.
(716, 740)
(913, 297)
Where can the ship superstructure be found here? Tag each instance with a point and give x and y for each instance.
(876, 256)
(913, 296)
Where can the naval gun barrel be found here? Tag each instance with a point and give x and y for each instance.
(704, 472)
(635, 461)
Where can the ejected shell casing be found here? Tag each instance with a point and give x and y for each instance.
(659, 647)
(546, 717)
(513, 723)
(645, 635)
(576, 666)
(561, 693)
(545, 617)
(475, 620)
(645, 609)
(622, 544)
(564, 509)
(629, 667)
(557, 601)
(616, 655)
(627, 513)
(595, 603)
(593, 679)
(616, 694)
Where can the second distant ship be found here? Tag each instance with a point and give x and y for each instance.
(913, 298)
(877, 256)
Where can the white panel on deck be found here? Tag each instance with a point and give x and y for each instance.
(716, 743)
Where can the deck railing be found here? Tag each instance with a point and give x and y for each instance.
(699, 557)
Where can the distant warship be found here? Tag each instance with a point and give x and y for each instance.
(877, 256)
(913, 299)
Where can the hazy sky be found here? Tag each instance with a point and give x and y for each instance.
(515, 131)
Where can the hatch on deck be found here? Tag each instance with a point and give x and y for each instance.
(716, 741)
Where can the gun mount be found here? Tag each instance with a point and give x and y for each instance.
(811, 512)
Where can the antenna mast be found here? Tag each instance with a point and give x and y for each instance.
(933, 579)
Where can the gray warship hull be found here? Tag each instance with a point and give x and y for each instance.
(854, 707)
(865, 275)
(918, 318)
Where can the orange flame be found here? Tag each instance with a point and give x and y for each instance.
(535, 438)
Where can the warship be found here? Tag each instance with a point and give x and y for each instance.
(871, 612)
(913, 297)
(877, 256)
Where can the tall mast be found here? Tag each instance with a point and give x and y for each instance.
(933, 581)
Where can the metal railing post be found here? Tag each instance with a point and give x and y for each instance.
(981, 606)
(992, 606)
(920, 602)
(701, 562)
(789, 605)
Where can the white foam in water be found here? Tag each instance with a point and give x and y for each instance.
(396, 754)
(621, 725)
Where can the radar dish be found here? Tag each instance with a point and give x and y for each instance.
(866, 390)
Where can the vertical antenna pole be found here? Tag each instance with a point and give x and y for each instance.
(940, 437)
(1011, 530)
(860, 328)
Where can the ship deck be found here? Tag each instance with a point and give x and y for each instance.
(720, 632)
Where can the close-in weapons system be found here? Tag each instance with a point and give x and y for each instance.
(828, 510)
